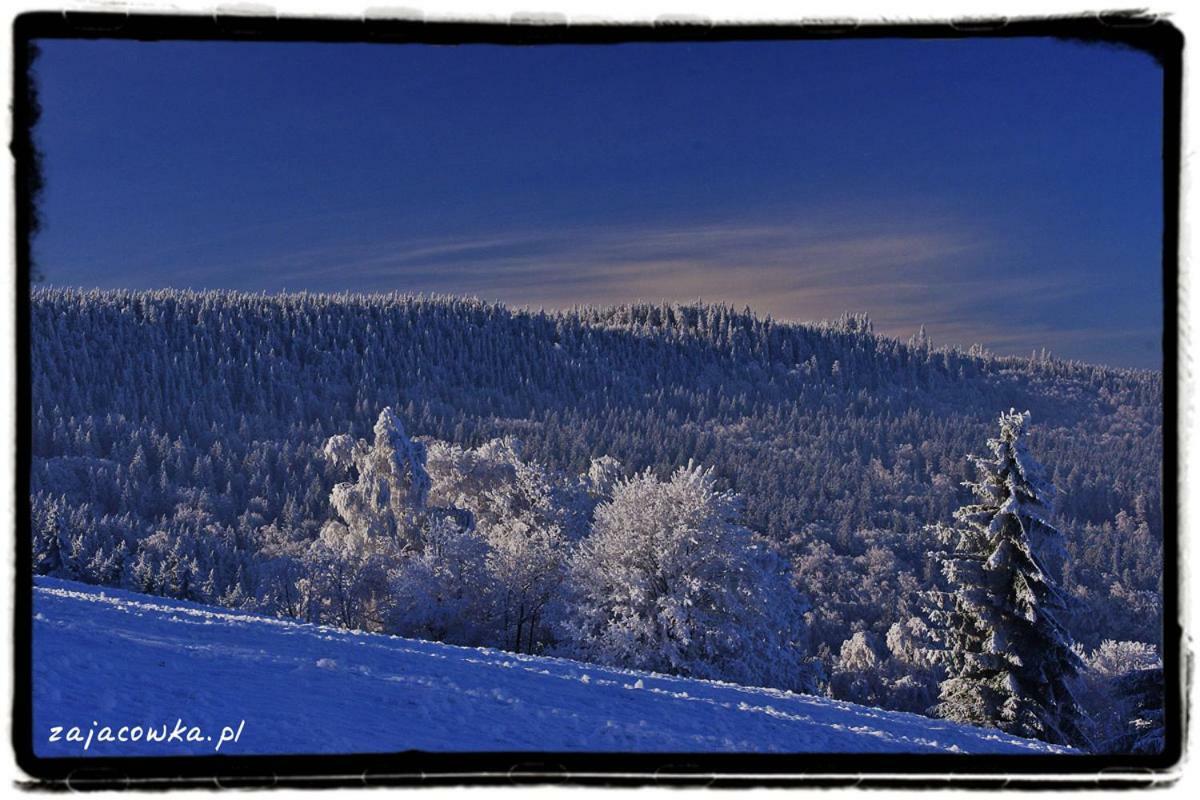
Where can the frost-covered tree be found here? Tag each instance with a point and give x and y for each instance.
(1010, 662)
(602, 477)
(1124, 696)
(910, 643)
(523, 513)
(381, 514)
(914, 669)
(904, 676)
(281, 565)
(1114, 658)
(524, 526)
(346, 576)
(920, 340)
(48, 536)
(444, 593)
(387, 497)
(857, 673)
(670, 581)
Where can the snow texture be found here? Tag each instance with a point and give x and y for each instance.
(104, 657)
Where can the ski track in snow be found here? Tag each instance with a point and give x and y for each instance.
(103, 656)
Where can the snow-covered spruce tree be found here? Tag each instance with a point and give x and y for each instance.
(1009, 661)
(48, 536)
(670, 581)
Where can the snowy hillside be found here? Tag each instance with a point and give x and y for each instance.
(104, 657)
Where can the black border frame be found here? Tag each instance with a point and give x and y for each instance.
(1149, 34)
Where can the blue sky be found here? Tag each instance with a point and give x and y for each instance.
(1002, 191)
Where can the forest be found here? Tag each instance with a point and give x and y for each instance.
(691, 489)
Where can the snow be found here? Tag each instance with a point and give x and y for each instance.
(110, 658)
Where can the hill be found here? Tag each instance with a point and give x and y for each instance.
(105, 657)
(203, 414)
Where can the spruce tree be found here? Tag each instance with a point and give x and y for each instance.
(1010, 662)
(47, 539)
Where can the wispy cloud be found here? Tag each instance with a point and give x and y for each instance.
(935, 271)
(791, 271)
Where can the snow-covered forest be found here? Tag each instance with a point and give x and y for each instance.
(688, 489)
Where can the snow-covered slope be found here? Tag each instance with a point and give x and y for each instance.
(103, 657)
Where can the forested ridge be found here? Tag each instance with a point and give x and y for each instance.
(171, 416)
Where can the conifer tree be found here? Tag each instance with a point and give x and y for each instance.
(1010, 662)
(47, 539)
